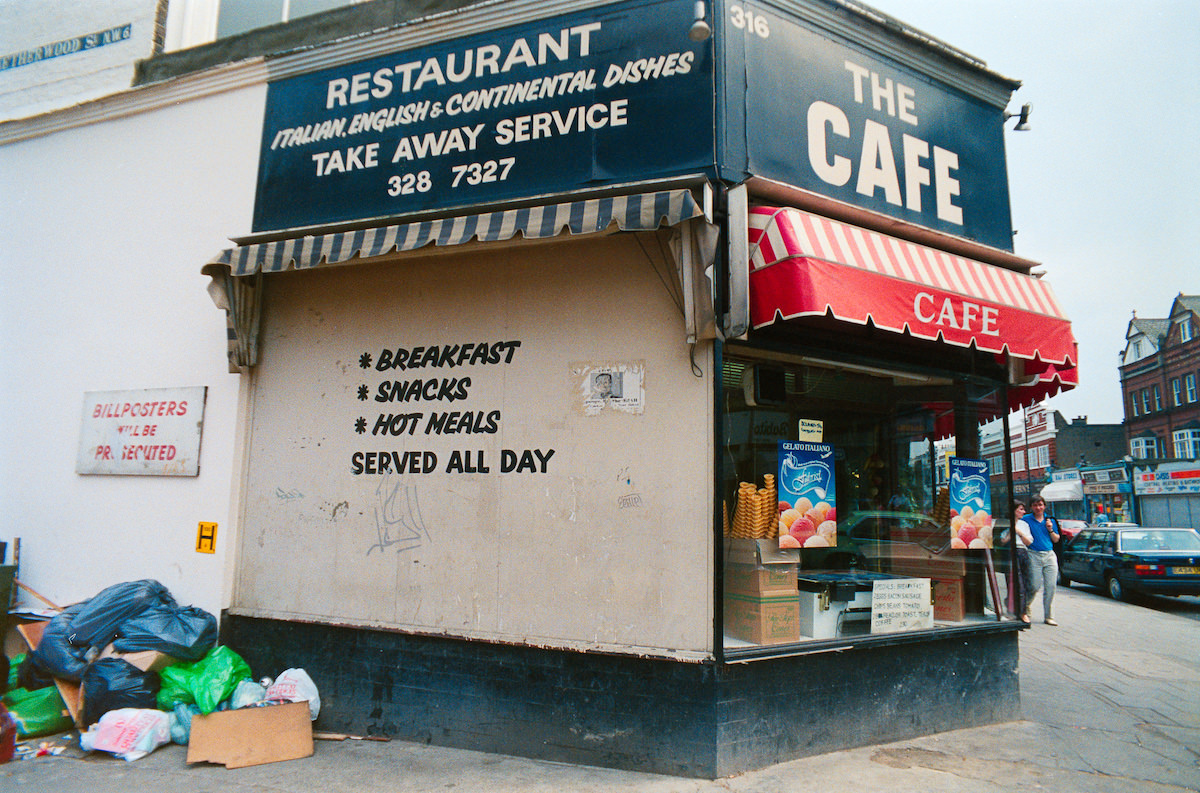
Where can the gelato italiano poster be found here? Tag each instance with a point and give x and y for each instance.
(970, 504)
(807, 501)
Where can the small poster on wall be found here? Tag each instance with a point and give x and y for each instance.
(970, 504)
(610, 387)
(807, 501)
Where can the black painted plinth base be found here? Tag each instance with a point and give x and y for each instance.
(685, 719)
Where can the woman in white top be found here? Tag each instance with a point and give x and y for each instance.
(1024, 574)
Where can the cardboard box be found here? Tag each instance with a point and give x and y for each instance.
(252, 736)
(948, 599)
(759, 552)
(145, 660)
(763, 619)
(771, 579)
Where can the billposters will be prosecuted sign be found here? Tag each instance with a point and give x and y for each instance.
(151, 432)
(610, 95)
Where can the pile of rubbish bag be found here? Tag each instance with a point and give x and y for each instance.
(129, 710)
(135, 616)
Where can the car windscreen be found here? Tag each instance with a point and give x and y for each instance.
(1160, 540)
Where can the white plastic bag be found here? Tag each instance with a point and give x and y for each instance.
(247, 694)
(294, 685)
(129, 733)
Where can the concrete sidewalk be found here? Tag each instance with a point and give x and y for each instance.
(1111, 702)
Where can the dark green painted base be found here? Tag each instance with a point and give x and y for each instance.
(685, 719)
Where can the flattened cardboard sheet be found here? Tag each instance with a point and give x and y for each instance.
(252, 736)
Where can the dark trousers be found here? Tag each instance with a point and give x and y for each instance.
(1022, 584)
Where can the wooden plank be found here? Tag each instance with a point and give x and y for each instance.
(38, 595)
(71, 692)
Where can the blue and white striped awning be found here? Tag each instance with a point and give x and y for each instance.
(235, 272)
(638, 212)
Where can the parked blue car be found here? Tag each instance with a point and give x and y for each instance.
(1128, 560)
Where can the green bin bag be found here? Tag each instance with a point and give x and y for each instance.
(38, 712)
(205, 683)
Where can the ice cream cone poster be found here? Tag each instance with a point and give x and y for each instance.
(807, 502)
(970, 504)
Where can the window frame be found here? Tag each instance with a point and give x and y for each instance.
(1186, 444)
(755, 354)
(1143, 448)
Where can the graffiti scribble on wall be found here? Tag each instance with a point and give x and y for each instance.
(398, 520)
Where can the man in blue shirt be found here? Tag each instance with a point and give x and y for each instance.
(1042, 561)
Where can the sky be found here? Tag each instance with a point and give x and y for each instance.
(1104, 185)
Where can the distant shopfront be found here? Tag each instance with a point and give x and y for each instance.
(1108, 494)
(1064, 495)
(1168, 494)
(619, 405)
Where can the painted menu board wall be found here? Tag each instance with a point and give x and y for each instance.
(521, 496)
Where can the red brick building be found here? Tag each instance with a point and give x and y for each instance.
(1160, 367)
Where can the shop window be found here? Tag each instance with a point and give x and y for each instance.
(843, 497)
(1187, 444)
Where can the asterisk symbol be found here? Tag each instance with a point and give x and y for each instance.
(360, 426)
(364, 360)
(362, 392)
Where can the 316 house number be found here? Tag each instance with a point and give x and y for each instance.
(409, 183)
(749, 21)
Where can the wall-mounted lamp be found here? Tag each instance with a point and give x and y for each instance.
(699, 31)
(1022, 117)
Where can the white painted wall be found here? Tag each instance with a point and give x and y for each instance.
(54, 54)
(104, 230)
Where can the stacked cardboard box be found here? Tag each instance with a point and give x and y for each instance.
(762, 604)
(949, 603)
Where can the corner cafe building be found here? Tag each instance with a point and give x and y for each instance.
(530, 290)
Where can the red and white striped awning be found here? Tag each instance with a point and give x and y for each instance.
(805, 265)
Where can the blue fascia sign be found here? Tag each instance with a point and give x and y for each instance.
(827, 115)
(611, 95)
